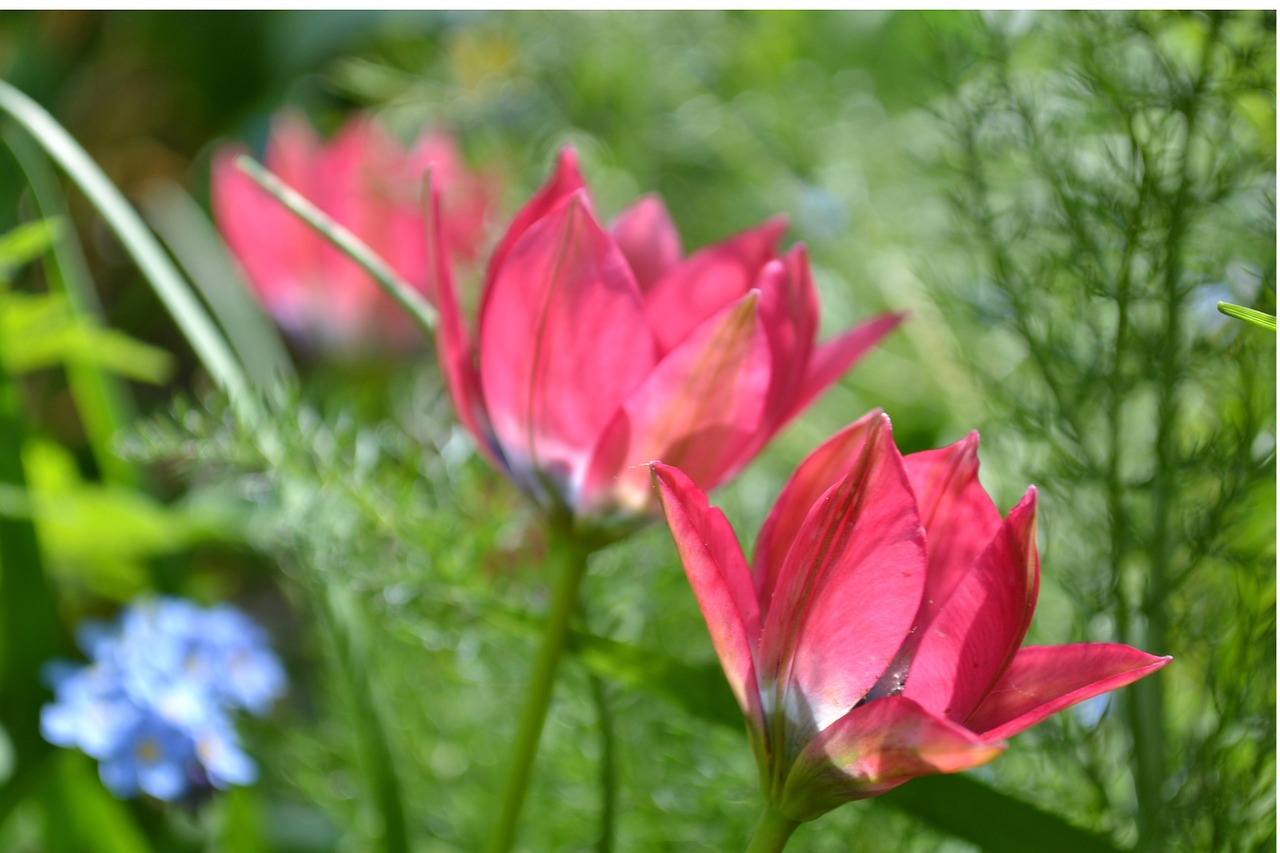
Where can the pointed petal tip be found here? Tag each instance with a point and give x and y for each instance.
(890, 320)
(777, 225)
(880, 419)
(966, 449)
(666, 476)
(430, 197)
(1026, 505)
(798, 253)
(567, 159)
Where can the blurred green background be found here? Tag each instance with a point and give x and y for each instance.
(1058, 199)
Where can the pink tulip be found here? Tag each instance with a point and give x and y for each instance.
(878, 634)
(366, 181)
(599, 349)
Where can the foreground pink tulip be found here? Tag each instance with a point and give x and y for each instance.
(877, 635)
(599, 349)
(366, 181)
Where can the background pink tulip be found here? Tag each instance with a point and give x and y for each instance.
(877, 636)
(366, 181)
(598, 349)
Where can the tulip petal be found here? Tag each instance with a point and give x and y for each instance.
(1043, 680)
(832, 359)
(980, 627)
(696, 410)
(465, 198)
(395, 189)
(848, 591)
(452, 341)
(959, 522)
(719, 577)
(821, 470)
(563, 342)
(958, 515)
(239, 206)
(649, 240)
(707, 281)
(790, 311)
(278, 252)
(355, 184)
(875, 747)
(563, 183)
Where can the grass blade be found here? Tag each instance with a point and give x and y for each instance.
(103, 403)
(1257, 318)
(189, 235)
(209, 345)
(29, 633)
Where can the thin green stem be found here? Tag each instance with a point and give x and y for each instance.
(772, 832)
(1146, 708)
(568, 557)
(608, 764)
(345, 627)
(418, 309)
(28, 617)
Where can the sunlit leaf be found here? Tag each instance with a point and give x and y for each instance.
(42, 331)
(25, 243)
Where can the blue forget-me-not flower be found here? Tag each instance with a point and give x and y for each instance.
(154, 705)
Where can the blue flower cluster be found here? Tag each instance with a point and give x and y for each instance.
(154, 705)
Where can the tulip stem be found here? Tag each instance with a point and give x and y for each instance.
(344, 622)
(608, 764)
(568, 556)
(772, 832)
(414, 304)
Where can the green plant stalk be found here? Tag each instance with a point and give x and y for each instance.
(772, 832)
(346, 631)
(956, 805)
(418, 309)
(568, 557)
(205, 339)
(608, 764)
(1146, 713)
(28, 619)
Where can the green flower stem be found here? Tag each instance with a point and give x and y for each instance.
(28, 616)
(608, 764)
(568, 557)
(345, 627)
(772, 832)
(418, 309)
